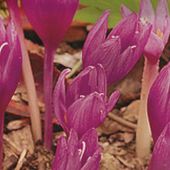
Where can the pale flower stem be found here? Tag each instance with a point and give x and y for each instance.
(48, 87)
(28, 77)
(143, 135)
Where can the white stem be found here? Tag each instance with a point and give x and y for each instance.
(143, 135)
(27, 73)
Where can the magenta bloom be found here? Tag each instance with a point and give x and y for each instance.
(119, 51)
(10, 63)
(159, 102)
(10, 68)
(161, 152)
(160, 21)
(78, 154)
(82, 104)
(50, 19)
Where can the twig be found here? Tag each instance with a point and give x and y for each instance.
(124, 162)
(122, 121)
(21, 160)
(12, 145)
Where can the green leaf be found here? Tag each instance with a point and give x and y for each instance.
(95, 8)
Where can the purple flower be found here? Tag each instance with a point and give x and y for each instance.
(119, 51)
(161, 152)
(78, 154)
(10, 68)
(50, 19)
(159, 102)
(10, 63)
(160, 21)
(82, 104)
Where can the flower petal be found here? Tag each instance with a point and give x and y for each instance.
(154, 48)
(12, 67)
(74, 161)
(60, 99)
(2, 32)
(161, 152)
(146, 11)
(89, 80)
(95, 37)
(105, 55)
(123, 64)
(125, 30)
(61, 156)
(141, 41)
(11, 33)
(93, 162)
(112, 100)
(159, 102)
(58, 14)
(90, 139)
(162, 15)
(86, 113)
(125, 11)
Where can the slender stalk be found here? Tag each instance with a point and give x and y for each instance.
(27, 74)
(143, 136)
(48, 87)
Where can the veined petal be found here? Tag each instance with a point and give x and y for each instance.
(58, 14)
(106, 54)
(2, 32)
(166, 32)
(4, 53)
(60, 99)
(146, 12)
(161, 152)
(141, 41)
(86, 113)
(159, 102)
(123, 64)
(61, 156)
(125, 11)
(125, 30)
(162, 15)
(93, 162)
(154, 48)
(112, 100)
(95, 37)
(11, 33)
(89, 139)
(12, 67)
(74, 161)
(89, 80)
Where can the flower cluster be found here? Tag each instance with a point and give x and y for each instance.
(82, 103)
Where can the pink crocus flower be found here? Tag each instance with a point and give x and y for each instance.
(50, 19)
(10, 69)
(78, 154)
(159, 103)
(160, 21)
(120, 50)
(161, 152)
(83, 104)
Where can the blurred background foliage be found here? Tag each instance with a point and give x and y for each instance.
(92, 9)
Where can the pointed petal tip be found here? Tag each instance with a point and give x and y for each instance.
(125, 11)
(113, 100)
